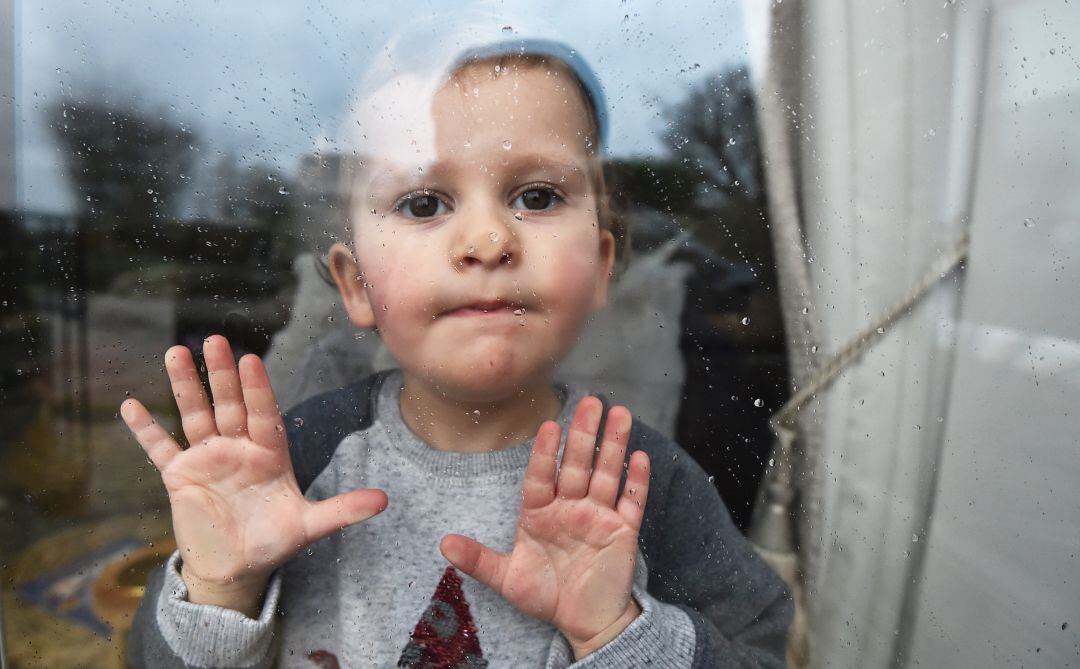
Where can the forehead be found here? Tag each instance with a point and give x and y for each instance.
(535, 97)
(485, 114)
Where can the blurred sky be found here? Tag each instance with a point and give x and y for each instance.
(268, 81)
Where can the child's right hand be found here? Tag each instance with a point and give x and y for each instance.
(237, 510)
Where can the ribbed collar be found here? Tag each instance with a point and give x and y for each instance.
(458, 465)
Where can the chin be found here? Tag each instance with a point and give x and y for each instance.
(485, 378)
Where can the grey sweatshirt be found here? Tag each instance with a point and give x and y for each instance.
(379, 594)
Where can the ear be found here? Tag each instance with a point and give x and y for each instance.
(350, 283)
(607, 263)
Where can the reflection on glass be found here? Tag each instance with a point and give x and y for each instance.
(158, 211)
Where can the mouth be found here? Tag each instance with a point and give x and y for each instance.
(493, 307)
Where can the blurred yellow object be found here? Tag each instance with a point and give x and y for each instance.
(38, 639)
(119, 588)
(49, 461)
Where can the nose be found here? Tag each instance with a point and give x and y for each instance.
(484, 238)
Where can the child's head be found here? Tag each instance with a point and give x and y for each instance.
(482, 238)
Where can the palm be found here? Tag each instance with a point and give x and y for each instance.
(238, 501)
(573, 558)
(568, 553)
(236, 507)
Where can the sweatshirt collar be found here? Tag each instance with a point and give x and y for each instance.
(511, 459)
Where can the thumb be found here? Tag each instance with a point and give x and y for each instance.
(475, 559)
(321, 519)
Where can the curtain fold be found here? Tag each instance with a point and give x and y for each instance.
(779, 121)
(866, 129)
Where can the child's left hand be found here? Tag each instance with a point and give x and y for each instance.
(573, 559)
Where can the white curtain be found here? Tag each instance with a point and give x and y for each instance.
(868, 112)
(937, 475)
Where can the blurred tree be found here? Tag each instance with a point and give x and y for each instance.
(258, 196)
(713, 131)
(129, 169)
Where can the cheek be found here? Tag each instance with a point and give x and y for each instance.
(399, 278)
(569, 274)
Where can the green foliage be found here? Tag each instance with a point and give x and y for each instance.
(655, 183)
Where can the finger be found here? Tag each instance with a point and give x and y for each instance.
(607, 473)
(580, 447)
(321, 519)
(159, 445)
(263, 415)
(539, 486)
(475, 559)
(195, 415)
(632, 502)
(229, 410)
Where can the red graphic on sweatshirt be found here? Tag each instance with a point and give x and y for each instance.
(445, 637)
(323, 659)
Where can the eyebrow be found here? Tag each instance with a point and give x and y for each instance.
(530, 161)
(396, 177)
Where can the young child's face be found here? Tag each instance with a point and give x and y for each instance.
(481, 267)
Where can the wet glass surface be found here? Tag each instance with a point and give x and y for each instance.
(345, 190)
(177, 173)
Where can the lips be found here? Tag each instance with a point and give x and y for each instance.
(481, 307)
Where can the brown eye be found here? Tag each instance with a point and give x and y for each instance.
(421, 205)
(536, 199)
(424, 206)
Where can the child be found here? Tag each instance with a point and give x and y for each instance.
(481, 244)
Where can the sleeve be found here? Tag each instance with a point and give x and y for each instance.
(662, 636)
(170, 632)
(703, 566)
(711, 601)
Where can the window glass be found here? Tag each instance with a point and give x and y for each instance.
(176, 170)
